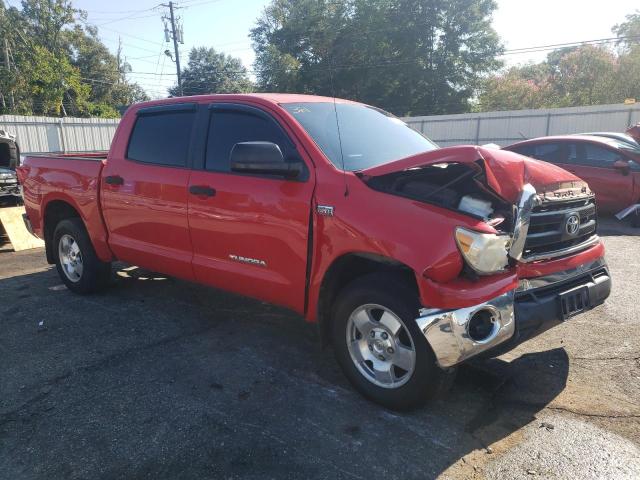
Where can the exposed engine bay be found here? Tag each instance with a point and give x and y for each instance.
(461, 187)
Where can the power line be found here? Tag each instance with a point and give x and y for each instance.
(130, 17)
(556, 46)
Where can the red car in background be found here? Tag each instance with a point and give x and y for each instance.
(611, 167)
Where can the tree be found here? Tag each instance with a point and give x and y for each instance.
(408, 56)
(102, 71)
(58, 66)
(628, 78)
(518, 88)
(628, 31)
(585, 75)
(211, 72)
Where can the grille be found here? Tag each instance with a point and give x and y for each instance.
(548, 226)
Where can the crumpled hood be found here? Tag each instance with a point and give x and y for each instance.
(507, 172)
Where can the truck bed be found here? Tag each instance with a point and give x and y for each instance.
(48, 180)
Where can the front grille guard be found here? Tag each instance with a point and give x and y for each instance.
(529, 199)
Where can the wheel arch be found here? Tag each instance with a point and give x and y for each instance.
(55, 211)
(345, 269)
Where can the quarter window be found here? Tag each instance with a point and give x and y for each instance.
(162, 138)
(228, 127)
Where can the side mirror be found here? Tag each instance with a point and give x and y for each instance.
(263, 158)
(622, 166)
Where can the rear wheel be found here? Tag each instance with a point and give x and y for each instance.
(379, 346)
(76, 261)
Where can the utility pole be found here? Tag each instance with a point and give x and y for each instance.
(119, 59)
(7, 64)
(176, 35)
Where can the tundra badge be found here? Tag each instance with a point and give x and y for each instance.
(252, 261)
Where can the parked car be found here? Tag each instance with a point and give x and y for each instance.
(411, 259)
(621, 137)
(9, 151)
(609, 166)
(8, 184)
(9, 160)
(634, 132)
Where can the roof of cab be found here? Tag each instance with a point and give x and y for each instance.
(275, 98)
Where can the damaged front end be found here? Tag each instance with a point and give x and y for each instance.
(501, 189)
(534, 212)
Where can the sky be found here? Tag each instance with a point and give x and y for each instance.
(225, 25)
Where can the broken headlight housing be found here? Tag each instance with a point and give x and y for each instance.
(485, 253)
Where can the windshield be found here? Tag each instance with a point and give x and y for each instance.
(370, 137)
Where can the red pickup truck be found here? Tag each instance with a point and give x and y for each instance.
(410, 258)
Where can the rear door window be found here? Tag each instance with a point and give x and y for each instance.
(549, 152)
(526, 150)
(162, 138)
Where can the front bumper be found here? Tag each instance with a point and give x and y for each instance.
(518, 315)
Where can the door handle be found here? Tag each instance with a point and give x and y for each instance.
(114, 180)
(202, 190)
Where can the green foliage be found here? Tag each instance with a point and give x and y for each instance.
(408, 56)
(211, 72)
(58, 65)
(628, 31)
(513, 91)
(585, 75)
(570, 77)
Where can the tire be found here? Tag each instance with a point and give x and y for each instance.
(79, 268)
(374, 304)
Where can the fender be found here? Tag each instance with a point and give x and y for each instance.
(90, 215)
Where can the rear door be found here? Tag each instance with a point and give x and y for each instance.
(250, 233)
(144, 191)
(594, 163)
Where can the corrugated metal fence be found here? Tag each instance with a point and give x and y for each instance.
(50, 134)
(505, 128)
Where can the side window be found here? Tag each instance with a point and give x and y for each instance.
(549, 152)
(228, 127)
(597, 156)
(526, 150)
(161, 138)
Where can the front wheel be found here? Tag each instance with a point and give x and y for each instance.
(76, 261)
(379, 346)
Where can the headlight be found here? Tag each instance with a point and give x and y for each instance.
(485, 253)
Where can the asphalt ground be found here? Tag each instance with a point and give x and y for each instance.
(158, 378)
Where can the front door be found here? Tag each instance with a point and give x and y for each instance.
(595, 165)
(249, 232)
(144, 192)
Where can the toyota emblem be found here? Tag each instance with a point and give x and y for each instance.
(572, 224)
